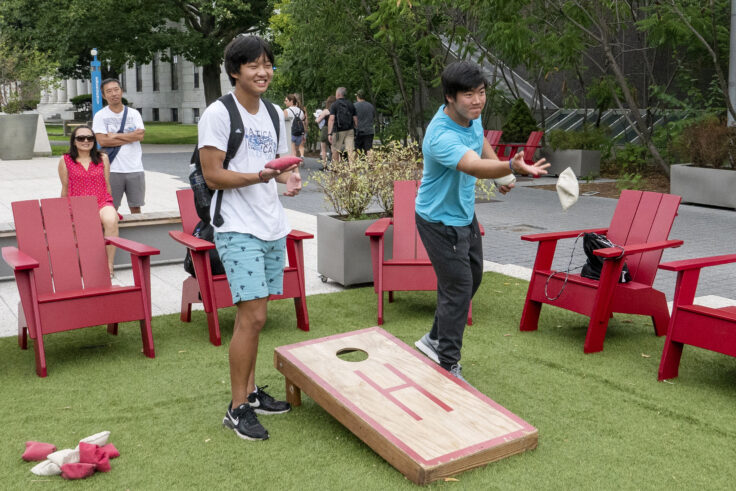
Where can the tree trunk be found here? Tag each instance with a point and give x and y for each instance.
(211, 81)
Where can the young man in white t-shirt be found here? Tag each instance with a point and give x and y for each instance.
(252, 239)
(126, 165)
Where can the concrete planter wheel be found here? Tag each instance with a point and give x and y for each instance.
(704, 185)
(582, 162)
(344, 251)
(17, 136)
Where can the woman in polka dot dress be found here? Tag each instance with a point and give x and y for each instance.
(85, 171)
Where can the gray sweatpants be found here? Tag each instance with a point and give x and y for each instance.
(457, 258)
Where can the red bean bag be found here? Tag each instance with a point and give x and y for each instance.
(37, 451)
(283, 163)
(77, 471)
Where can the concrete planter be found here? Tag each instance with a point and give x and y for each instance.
(582, 162)
(344, 251)
(17, 136)
(703, 185)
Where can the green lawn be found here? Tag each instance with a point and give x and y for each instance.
(603, 419)
(156, 133)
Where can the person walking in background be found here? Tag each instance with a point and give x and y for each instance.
(297, 116)
(119, 130)
(84, 171)
(252, 239)
(341, 126)
(455, 156)
(324, 142)
(366, 114)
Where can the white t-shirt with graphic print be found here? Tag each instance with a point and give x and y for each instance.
(253, 209)
(130, 156)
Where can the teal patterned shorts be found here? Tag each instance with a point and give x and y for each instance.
(254, 267)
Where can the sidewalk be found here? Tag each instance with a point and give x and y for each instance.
(706, 231)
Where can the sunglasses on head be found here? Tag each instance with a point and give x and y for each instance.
(85, 138)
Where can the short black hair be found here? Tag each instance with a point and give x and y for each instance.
(107, 81)
(461, 76)
(242, 50)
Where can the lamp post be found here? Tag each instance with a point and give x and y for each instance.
(96, 78)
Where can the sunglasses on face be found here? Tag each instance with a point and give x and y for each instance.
(84, 138)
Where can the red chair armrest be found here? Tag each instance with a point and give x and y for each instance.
(378, 228)
(131, 246)
(613, 252)
(18, 260)
(561, 235)
(697, 263)
(299, 235)
(190, 241)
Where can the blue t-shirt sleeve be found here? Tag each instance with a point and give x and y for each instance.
(446, 149)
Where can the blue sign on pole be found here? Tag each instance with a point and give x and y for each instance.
(95, 82)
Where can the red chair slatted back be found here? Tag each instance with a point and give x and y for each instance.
(189, 217)
(643, 217)
(493, 137)
(65, 236)
(407, 243)
(532, 143)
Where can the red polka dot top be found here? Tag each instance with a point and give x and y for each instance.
(90, 182)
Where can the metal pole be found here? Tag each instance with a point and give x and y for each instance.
(732, 63)
(96, 78)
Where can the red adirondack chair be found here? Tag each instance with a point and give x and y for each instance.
(508, 150)
(213, 290)
(62, 275)
(641, 224)
(409, 268)
(696, 325)
(493, 137)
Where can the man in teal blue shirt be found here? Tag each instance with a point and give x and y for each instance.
(455, 156)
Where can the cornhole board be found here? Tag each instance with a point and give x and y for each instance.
(426, 423)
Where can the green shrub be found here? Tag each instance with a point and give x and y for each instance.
(589, 138)
(519, 123)
(630, 159)
(708, 142)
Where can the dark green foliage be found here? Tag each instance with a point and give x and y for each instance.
(519, 123)
(589, 138)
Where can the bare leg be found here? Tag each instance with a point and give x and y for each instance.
(109, 219)
(249, 321)
(135, 209)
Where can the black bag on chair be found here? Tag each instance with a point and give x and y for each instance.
(594, 265)
(205, 231)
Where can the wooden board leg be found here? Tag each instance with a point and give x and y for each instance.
(293, 394)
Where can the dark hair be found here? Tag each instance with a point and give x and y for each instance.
(461, 76)
(108, 81)
(242, 50)
(93, 153)
(294, 98)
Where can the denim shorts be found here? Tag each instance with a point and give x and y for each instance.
(254, 267)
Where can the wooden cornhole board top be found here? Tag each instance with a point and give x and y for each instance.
(423, 421)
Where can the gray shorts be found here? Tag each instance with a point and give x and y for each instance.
(132, 184)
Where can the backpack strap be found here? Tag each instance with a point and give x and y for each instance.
(271, 108)
(237, 132)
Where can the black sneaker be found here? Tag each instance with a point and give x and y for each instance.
(244, 422)
(262, 403)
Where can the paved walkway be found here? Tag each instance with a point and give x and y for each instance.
(706, 231)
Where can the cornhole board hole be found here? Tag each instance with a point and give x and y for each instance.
(426, 423)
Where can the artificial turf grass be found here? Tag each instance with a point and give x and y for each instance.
(603, 419)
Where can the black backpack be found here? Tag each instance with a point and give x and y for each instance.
(205, 231)
(202, 192)
(297, 125)
(343, 115)
(594, 264)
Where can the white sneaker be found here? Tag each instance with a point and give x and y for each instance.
(429, 346)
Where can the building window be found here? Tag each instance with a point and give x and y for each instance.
(154, 67)
(174, 114)
(174, 72)
(196, 77)
(138, 78)
(195, 114)
(154, 114)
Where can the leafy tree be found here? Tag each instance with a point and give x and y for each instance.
(128, 31)
(23, 74)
